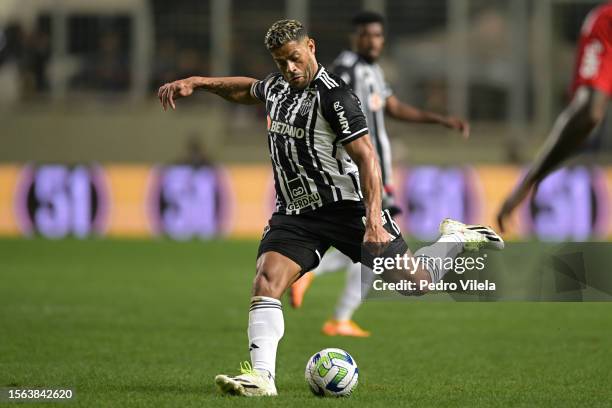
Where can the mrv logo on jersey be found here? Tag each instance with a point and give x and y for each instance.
(286, 129)
(342, 118)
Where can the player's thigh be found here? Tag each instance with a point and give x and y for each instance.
(287, 250)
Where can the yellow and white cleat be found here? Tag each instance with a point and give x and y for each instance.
(475, 237)
(249, 383)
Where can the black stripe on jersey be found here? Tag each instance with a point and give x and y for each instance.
(327, 80)
(291, 144)
(300, 152)
(326, 174)
(281, 163)
(356, 185)
(273, 83)
(295, 98)
(339, 162)
(275, 86)
(287, 141)
(309, 156)
(283, 111)
(285, 163)
(277, 187)
(280, 181)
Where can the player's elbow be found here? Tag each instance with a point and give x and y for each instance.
(588, 108)
(391, 110)
(361, 152)
(595, 117)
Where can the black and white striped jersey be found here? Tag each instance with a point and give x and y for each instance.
(368, 82)
(307, 131)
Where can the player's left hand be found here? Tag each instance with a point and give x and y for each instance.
(459, 125)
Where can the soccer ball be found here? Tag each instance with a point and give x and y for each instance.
(332, 373)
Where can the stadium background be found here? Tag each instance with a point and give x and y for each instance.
(79, 81)
(86, 152)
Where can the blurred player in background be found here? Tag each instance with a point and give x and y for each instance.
(591, 91)
(360, 70)
(328, 188)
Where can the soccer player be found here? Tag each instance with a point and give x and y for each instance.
(591, 91)
(328, 191)
(360, 70)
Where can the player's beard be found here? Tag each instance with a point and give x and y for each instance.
(368, 57)
(307, 76)
(309, 73)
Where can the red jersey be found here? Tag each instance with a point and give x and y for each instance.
(594, 58)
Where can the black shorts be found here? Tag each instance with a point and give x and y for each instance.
(304, 238)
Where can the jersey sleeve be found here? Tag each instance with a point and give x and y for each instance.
(260, 87)
(342, 110)
(594, 57)
(344, 72)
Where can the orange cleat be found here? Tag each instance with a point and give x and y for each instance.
(299, 288)
(343, 328)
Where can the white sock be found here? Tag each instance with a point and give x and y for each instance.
(332, 261)
(356, 288)
(447, 246)
(266, 328)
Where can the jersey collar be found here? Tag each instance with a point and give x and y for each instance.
(320, 70)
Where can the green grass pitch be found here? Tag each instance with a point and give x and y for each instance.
(150, 323)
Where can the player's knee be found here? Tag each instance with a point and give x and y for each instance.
(268, 281)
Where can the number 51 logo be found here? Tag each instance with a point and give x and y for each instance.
(57, 201)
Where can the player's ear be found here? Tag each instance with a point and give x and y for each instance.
(310, 43)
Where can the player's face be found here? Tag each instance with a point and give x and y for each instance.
(369, 40)
(296, 61)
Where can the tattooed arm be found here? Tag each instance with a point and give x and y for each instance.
(233, 89)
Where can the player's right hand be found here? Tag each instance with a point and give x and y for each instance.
(173, 90)
(376, 239)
